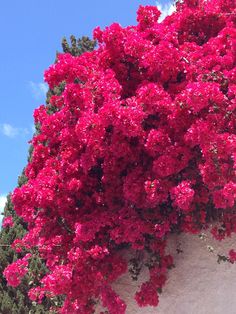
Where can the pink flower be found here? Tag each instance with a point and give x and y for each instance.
(7, 222)
(147, 295)
(16, 271)
(232, 256)
(182, 195)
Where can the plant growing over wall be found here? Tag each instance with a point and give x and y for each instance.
(141, 143)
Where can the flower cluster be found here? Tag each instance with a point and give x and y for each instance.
(16, 271)
(7, 222)
(232, 256)
(141, 143)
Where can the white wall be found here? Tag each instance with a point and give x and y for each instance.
(197, 285)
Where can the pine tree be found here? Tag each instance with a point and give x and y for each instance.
(79, 46)
(16, 300)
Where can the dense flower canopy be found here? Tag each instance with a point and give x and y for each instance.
(141, 143)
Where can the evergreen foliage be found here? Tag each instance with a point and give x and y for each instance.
(79, 46)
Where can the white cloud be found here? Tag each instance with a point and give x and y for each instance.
(3, 200)
(11, 131)
(38, 90)
(166, 9)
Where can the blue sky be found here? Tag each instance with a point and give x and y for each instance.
(31, 33)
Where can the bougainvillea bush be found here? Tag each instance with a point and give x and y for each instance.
(140, 144)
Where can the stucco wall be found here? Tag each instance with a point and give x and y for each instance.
(197, 285)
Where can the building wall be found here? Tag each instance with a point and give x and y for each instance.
(197, 285)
